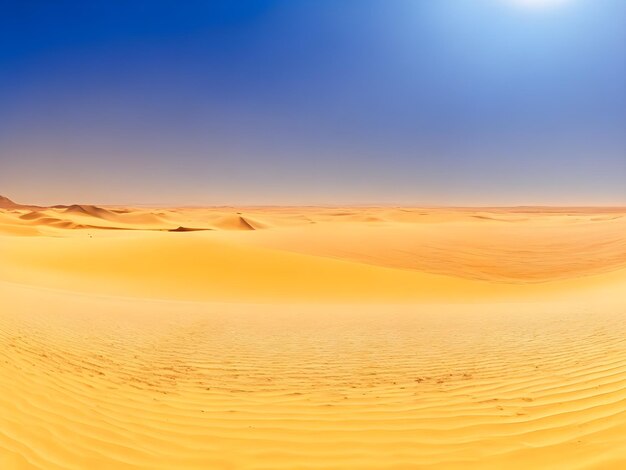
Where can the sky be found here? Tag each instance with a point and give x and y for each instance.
(410, 102)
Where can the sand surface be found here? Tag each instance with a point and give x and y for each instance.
(340, 338)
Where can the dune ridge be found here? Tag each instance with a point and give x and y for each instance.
(6, 203)
(494, 246)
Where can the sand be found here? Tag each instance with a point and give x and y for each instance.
(311, 337)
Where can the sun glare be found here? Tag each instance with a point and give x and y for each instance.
(536, 4)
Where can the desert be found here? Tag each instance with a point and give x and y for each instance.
(312, 337)
(313, 235)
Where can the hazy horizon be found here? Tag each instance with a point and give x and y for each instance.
(339, 204)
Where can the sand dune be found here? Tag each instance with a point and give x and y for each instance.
(335, 338)
(94, 211)
(6, 203)
(235, 222)
(534, 250)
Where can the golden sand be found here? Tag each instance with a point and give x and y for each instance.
(340, 338)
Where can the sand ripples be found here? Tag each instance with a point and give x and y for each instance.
(218, 386)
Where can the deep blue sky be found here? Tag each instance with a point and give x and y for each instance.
(313, 101)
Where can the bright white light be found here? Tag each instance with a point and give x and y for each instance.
(537, 4)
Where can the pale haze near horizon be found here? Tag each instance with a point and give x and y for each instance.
(287, 103)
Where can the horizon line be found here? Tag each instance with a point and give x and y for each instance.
(331, 205)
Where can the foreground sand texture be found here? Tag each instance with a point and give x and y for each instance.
(342, 338)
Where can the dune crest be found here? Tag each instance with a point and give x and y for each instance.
(235, 222)
(6, 203)
(93, 211)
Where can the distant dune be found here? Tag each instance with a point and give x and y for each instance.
(86, 210)
(288, 337)
(6, 203)
(236, 222)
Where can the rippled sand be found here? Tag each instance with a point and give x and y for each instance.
(312, 338)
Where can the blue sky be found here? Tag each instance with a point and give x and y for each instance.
(466, 102)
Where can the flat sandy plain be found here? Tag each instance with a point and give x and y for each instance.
(303, 338)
